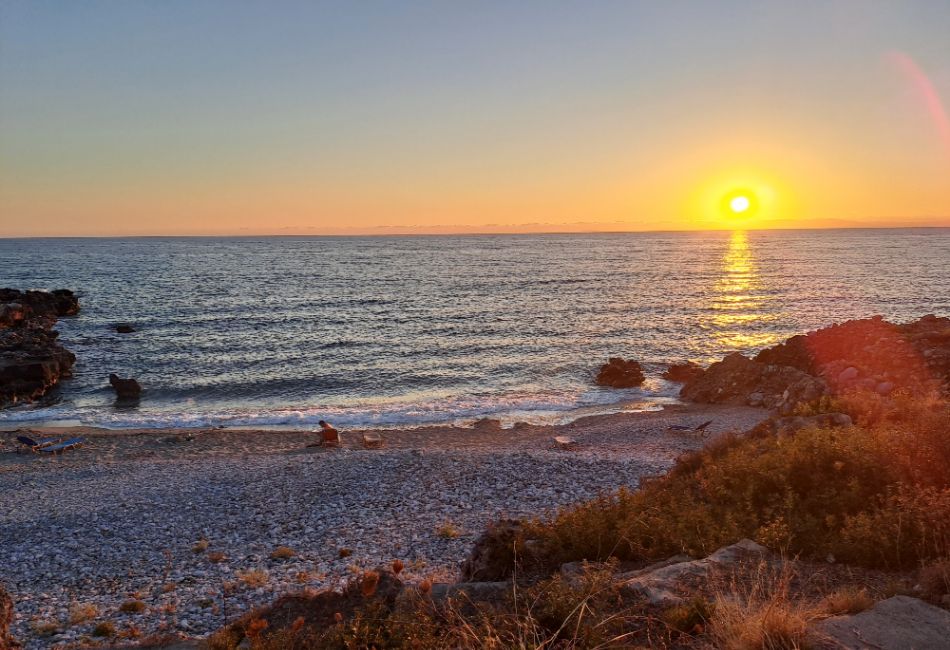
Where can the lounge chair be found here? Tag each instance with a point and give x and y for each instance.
(682, 427)
(372, 440)
(36, 445)
(564, 442)
(66, 445)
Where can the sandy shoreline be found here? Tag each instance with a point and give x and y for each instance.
(117, 519)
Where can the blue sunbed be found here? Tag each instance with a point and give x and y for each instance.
(36, 445)
(66, 445)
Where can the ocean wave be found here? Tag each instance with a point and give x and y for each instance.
(536, 409)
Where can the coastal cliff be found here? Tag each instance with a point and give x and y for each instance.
(32, 361)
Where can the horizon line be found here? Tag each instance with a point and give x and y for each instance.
(476, 233)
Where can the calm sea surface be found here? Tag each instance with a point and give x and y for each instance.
(390, 330)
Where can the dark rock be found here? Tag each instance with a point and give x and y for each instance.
(893, 624)
(125, 388)
(495, 553)
(32, 361)
(7, 642)
(465, 592)
(683, 372)
(740, 380)
(124, 328)
(487, 423)
(618, 373)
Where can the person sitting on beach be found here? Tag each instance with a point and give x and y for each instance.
(331, 437)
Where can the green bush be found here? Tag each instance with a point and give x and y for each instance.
(876, 495)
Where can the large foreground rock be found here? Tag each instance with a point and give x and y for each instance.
(739, 380)
(898, 623)
(658, 584)
(31, 359)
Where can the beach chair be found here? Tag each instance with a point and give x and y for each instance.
(564, 442)
(372, 440)
(36, 445)
(682, 427)
(66, 445)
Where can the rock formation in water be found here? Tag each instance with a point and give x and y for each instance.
(125, 389)
(617, 373)
(31, 359)
(683, 372)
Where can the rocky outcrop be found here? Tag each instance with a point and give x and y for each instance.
(618, 373)
(739, 380)
(870, 354)
(31, 359)
(125, 389)
(7, 642)
(894, 624)
(683, 372)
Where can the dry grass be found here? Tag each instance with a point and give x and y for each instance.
(82, 612)
(104, 629)
(448, 530)
(132, 607)
(253, 577)
(200, 546)
(216, 557)
(758, 614)
(283, 553)
(344, 553)
(45, 627)
(847, 600)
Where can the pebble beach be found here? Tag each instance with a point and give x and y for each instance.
(177, 531)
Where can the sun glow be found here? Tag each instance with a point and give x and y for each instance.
(739, 204)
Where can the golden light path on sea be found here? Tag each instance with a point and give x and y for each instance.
(739, 301)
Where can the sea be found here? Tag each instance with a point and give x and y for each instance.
(415, 330)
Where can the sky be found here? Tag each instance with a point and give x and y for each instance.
(188, 118)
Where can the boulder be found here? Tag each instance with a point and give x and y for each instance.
(493, 592)
(741, 381)
(124, 328)
(7, 642)
(683, 372)
(618, 373)
(894, 624)
(125, 389)
(659, 584)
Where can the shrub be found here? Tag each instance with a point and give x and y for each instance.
(877, 496)
(132, 607)
(253, 577)
(105, 628)
(283, 553)
(448, 530)
(82, 612)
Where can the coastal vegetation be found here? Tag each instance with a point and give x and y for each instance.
(850, 515)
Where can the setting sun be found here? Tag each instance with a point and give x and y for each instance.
(739, 204)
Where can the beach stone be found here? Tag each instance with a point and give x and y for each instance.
(848, 374)
(683, 372)
(618, 373)
(897, 623)
(125, 388)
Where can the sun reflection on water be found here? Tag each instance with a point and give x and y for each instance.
(740, 304)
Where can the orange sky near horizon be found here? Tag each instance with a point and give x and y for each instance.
(574, 133)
